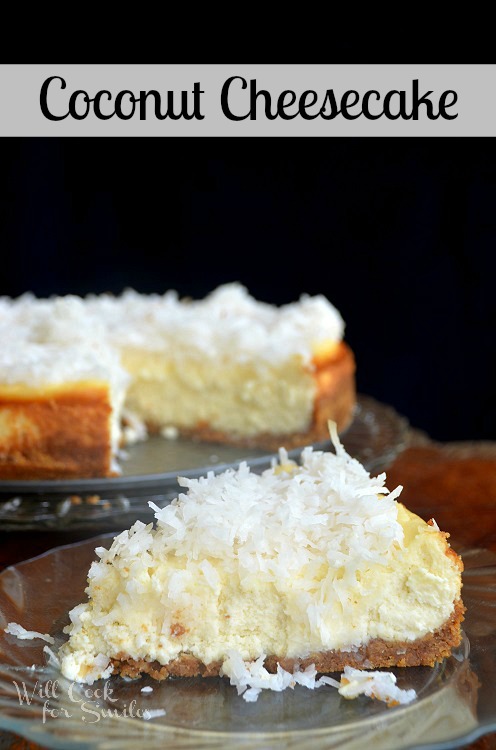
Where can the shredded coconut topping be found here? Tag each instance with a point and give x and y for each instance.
(38, 364)
(228, 323)
(280, 521)
(280, 527)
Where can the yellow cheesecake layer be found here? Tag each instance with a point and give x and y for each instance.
(412, 596)
(23, 392)
(234, 398)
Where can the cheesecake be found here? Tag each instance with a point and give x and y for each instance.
(223, 369)
(309, 563)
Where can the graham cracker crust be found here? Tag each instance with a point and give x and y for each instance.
(423, 652)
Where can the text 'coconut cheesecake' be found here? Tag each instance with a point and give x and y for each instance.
(311, 563)
(226, 368)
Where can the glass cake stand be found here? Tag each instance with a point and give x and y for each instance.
(150, 469)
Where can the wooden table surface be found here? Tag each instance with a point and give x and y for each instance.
(454, 483)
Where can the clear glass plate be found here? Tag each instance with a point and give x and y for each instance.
(150, 472)
(456, 700)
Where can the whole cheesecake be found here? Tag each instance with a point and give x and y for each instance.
(228, 369)
(311, 563)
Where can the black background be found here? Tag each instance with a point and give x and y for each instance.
(399, 234)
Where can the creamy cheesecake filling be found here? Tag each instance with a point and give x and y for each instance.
(298, 560)
(175, 606)
(233, 397)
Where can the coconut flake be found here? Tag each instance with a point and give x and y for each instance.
(250, 678)
(379, 685)
(433, 525)
(26, 635)
(153, 713)
(326, 680)
(134, 429)
(169, 432)
(53, 659)
(251, 695)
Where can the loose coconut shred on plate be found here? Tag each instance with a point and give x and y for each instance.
(250, 678)
(27, 635)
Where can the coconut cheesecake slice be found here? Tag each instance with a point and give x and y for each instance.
(315, 563)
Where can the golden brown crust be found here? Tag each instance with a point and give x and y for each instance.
(426, 651)
(335, 399)
(63, 435)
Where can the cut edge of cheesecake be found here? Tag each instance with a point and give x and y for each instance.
(335, 400)
(71, 429)
(378, 653)
(57, 431)
(54, 424)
